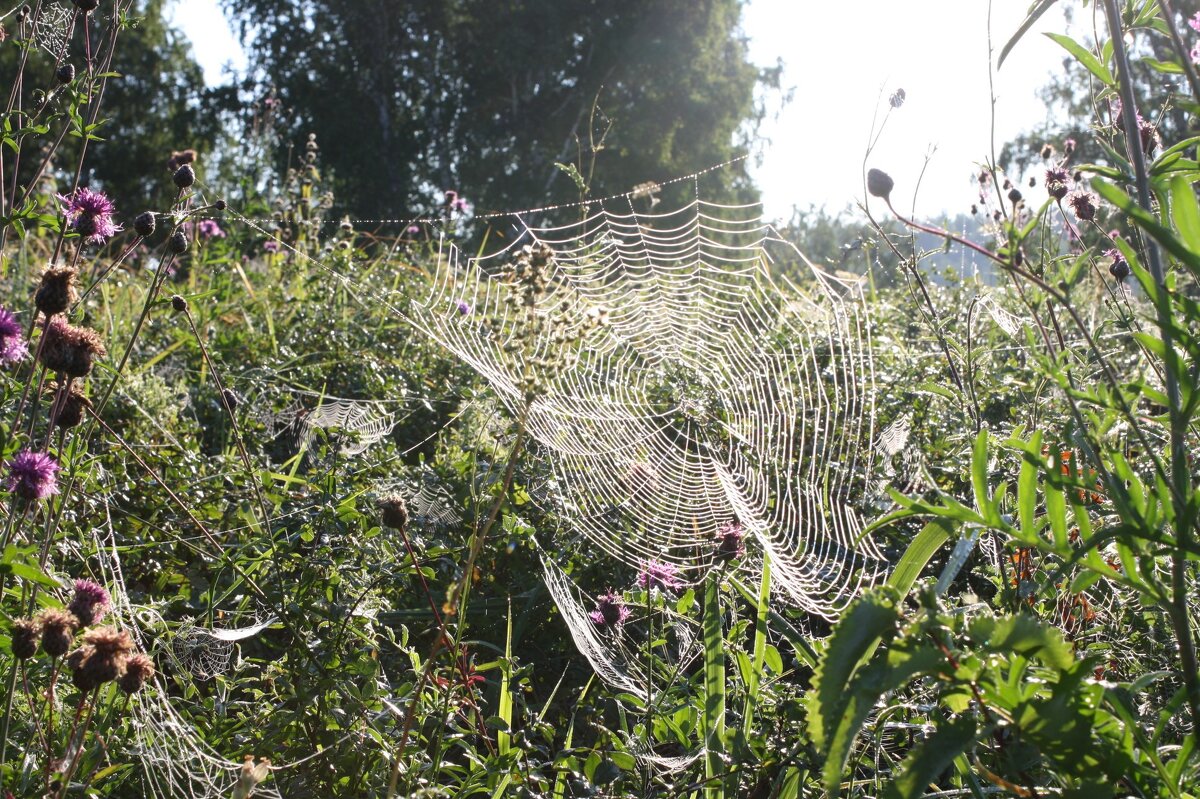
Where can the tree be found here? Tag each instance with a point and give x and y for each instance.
(486, 97)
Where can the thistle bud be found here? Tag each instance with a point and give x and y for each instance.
(179, 242)
(87, 5)
(144, 224)
(879, 183)
(178, 304)
(185, 176)
(65, 73)
(394, 512)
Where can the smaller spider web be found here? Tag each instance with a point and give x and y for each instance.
(681, 387)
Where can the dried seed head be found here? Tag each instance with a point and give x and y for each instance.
(184, 177)
(1047, 151)
(1014, 195)
(90, 602)
(230, 398)
(70, 350)
(56, 292)
(179, 158)
(178, 243)
(394, 512)
(71, 408)
(220, 205)
(879, 183)
(25, 636)
(178, 304)
(139, 669)
(58, 630)
(144, 224)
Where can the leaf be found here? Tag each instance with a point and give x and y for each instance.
(918, 553)
(854, 638)
(1083, 56)
(1035, 11)
(979, 474)
(714, 689)
(1023, 635)
(574, 175)
(1185, 212)
(929, 760)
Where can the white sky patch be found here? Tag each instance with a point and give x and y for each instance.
(844, 59)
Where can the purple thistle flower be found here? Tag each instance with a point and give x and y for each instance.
(209, 229)
(1119, 268)
(459, 205)
(90, 602)
(731, 542)
(271, 245)
(660, 575)
(413, 229)
(1083, 203)
(463, 307)
(13, 347)
(1194, 22)
(89, 213)
(32, 475)
(1058, 182)
(610, 611)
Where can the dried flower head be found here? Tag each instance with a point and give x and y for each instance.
(610, 610)
(1083, 204)
(394, 511)
(102, 657)
(89, 213)
(87, 6)
(13, 347)
(33, 475)
(179, 158)
(1058, 182)
(70, 350)
(65, 73)
(897, 99)
(72, 406)
(659, 575)
(1069, 147)
(90, 602)
(58, 630)
(139, 669)
(1047, 151)
(56, 292)
(1119, 268)
(26, 633)
(250, 776)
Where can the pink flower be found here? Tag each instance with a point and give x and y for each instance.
(660, 575)
(271, 245)
(1194, 22)
(89, 213)
(33, 475)
(209, 229)
(610, 611)
(13, 347)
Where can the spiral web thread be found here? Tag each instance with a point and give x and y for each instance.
(694, 391)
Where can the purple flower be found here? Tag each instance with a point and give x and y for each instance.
(1119, 268)
(89, 213)
(660, 575)
(731, 542)
(271, 245)
(459, 205)
(1058, 182)
(413, 229)
(1083, 203)
(1194, 22)
(463, 307)
(90, 602)
(13, 347)
(610, 611)
(1195, 54)
(32, 475)
(209, 229)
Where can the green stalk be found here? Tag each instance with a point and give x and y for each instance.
(714, 692)
(760, 647)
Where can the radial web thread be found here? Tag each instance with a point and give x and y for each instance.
(697, 389)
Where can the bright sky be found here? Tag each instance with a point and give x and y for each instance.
(844, 59)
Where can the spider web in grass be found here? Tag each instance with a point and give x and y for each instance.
(687, 388)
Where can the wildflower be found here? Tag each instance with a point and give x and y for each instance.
(271, 245)
(71, 408)
(1014, 195)
(1083, 204)
(985, 177)
(209, 229)
(610, 611)
(1047, 151)
(463, 307)
(413, 229)
(178, 304)
(660, 575)
(394, 511)
(180, 158)
(138, 670)
(144, 224)
(25, 636)
(897, 98)
(451, 197)
(56, 292)
(1119, 268)
(1057, 182)
(33, 475)
(1195, 53)
(459, 205)
(58, 629)
(69, 349)
(1194, 22)
(101, 659)
(731, 542)
(89, 213)
(1069, 147)
(13, 347)
(879, 183)
(90, 602)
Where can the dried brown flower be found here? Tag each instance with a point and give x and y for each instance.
(56, 293)
(70, 350)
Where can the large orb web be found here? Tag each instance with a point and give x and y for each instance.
(680, 386)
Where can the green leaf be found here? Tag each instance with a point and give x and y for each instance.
(1185, 212)
(1023, 635)
(918, 554)
(714, 690)
(1035, 11)
(929, 760)
(1083, 56)
(979, 464)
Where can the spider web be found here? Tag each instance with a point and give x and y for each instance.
(677, 387)
(51, 29)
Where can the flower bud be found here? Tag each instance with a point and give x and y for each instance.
(65, 73)
(179, 242)
(179, 304)
(144, 224)
(185, 176)
(879, 183)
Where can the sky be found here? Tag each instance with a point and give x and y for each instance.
(843, 60)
